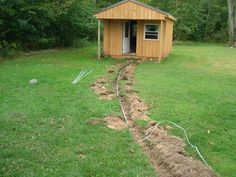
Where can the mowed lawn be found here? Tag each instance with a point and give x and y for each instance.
(44, 129)
(196, 88)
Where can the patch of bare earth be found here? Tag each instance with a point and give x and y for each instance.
(115, 123)
(100, 87)
(166, 153)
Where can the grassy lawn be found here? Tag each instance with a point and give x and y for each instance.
(196, 88)
(44, 127)
(45, 130)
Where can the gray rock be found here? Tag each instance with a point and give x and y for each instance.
(33, 81)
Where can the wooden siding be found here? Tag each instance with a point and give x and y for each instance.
(112, 41)
(168, 38)
(130, 10)
(146, 48)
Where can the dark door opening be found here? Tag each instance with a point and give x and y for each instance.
(133, 36)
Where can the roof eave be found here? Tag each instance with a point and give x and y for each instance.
(168, 16)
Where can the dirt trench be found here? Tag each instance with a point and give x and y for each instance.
(166, 153)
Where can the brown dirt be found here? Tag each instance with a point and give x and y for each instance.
(167, 153)
(171, 158)
(128, 73)
(115, 123)
(100, 88)
(134, 106)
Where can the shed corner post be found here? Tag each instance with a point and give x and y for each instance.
(99, 39)
(161, 42)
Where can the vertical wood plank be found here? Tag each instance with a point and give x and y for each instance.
(99, 39)
(161, 41)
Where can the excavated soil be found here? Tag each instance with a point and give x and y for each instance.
(166, 153)
(115, 123)
(170, 156)
(100, 88)
(135, 107)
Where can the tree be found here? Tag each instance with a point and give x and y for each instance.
(232, 21)
(40, 24)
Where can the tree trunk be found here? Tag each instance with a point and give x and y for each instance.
(234, 12)
(207, 20)
(231, 13)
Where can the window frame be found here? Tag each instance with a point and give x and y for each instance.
(158, 31)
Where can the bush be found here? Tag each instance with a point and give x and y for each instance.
(8, 49)
(81, 42)
(46, 43)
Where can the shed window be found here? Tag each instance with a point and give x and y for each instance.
(151, 31)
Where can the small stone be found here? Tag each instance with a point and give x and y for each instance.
(33, 81)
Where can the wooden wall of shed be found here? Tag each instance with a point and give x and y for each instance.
(168, 41)
(130, 10)
(112, 38)
(146, 48)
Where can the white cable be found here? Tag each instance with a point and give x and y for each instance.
(82, 74)
(161, 122)
(186, 136)
(118, 95)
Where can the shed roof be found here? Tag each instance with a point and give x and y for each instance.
(132, 9)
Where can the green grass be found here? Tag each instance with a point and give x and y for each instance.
(196, 88)
(44, 129)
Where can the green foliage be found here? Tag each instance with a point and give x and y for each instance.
(44, 24)
(81, 43)
(8, 49)
(201, 20)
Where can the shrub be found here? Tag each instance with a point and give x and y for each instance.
(46, 43)
(81, 42)
(8, 49)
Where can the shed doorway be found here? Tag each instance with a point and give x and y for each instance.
(129, 37)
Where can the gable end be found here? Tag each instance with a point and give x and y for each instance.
(131, 9)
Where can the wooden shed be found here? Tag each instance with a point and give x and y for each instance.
(135, 30)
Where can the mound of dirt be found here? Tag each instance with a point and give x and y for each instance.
(135, 107)
(171, 157)
(100, 88)
(167, 153)
(128, 73)
(115, 123)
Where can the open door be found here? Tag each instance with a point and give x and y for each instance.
(126, 37)
(133, 36)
